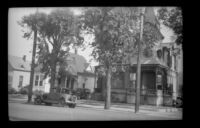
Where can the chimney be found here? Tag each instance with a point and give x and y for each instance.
(24, 58)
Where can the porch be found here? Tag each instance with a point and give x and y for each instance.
(155, 89)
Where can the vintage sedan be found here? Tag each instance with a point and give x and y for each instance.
(60, 96)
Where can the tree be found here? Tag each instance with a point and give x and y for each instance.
(57, 30)
(60, 30)
(31, 22)
(172, 18)
(116, 32)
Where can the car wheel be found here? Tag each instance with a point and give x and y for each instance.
(37, 101)
(73, 105)
(48, 104)
(62, 102)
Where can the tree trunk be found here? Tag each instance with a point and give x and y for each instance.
(53, 76)
(30, 89)
(108, 88)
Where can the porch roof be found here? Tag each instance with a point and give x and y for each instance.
(151, 60)
(86, 73)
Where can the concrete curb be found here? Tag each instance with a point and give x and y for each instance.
(141, 108)
(102, 108)
(114, 107)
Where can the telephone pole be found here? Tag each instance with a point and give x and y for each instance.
(33, 60)
(138, 75)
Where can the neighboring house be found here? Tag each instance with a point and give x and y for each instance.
(18, 72)
(86, 80)
(77, 65)
(39, 83)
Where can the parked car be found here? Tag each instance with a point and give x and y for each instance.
(12, 90)
(83, 93)
(61, 96)
(178, 102)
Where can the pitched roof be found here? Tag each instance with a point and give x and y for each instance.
(18, 63)
(77, 63)
(86, 73)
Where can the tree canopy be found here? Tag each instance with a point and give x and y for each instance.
(56, 32)
(173, 19)
(116, 31)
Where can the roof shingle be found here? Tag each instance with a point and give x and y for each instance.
(18, 63)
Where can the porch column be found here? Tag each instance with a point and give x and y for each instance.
(174, 81)
(159, 87)
(94, 80)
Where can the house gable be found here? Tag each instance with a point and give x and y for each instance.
(17, 63)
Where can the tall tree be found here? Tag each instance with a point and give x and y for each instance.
(116, 32)
(31, 23)
(60, 30)
(57, 31)
(172, 18)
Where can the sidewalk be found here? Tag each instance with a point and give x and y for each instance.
(126, 107)
(114, 106)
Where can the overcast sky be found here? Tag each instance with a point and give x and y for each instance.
(18, 46)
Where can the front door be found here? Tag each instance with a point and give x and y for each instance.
(148, 86)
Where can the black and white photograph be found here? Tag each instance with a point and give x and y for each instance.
(95, 63)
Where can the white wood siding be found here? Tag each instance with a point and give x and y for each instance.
(26, 79)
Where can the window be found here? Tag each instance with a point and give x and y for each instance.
(20, 81)
(133, 80)
(41, 80)
(159, 54)
(10, 79)
(159, 80)
(83, 85)
(36, 80)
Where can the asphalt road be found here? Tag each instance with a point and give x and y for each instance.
(19, 111)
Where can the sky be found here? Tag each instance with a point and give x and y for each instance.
(19, 46)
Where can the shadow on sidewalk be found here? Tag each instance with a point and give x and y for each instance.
(130, 106)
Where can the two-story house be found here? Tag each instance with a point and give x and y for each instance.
(159, 78)
(79, 78)
(18, 72)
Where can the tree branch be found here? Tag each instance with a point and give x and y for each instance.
(50, 41)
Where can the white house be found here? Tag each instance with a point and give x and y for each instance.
(39, 83)
(86, 79)
(77, 65)
(18, 72)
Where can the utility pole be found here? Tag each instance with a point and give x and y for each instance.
(138, 75)
(33, 60)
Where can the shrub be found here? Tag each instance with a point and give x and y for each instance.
(11, 90)
(24, 90)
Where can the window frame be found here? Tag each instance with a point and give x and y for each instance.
(20, 81)
(40, 80)
(37, 81)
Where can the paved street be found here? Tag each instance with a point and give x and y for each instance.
(19, 110)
